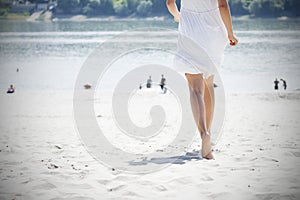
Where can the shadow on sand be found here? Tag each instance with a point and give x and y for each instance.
(189, 156)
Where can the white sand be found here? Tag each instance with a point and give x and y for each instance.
(42, 157)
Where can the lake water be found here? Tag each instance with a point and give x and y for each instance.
(50, 55)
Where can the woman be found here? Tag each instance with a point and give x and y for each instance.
(208, 24)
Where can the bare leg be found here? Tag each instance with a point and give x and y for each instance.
(209, 99)
(197, 89)
(196, 86)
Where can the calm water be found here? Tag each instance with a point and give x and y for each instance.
(49, 55)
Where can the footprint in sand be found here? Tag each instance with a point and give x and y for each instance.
(221, 195)
(269, 196)
(119, 187)
(81, 197)
(103, 181)
(44, 186)
(207, 178)
(296, 154)
(161, 188)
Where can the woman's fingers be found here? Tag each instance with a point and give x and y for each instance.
(233, 41)
(177, 18)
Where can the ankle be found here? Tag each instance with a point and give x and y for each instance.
(204, 133)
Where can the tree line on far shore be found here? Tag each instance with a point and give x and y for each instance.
(143, 8)
(113, 7)
(265, 8)
(257, 8)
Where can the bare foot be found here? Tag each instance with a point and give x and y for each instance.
(206, 146)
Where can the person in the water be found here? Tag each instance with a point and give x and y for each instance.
(149, 82)
(10, 90)
(276, 82)
(284, 84)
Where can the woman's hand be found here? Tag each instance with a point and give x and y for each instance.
(233, 40)
(226, 17)
(177, 18)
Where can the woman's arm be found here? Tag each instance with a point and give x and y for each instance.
(226, 17)
(172, 7)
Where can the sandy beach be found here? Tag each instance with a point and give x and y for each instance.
(257, 157)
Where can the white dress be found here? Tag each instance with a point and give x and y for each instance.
(202, 37)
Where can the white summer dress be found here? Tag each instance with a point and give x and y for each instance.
(202, 37)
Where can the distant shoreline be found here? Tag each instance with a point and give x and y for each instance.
(108, 18)
(79, 17)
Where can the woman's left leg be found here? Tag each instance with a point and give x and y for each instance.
(209, 99)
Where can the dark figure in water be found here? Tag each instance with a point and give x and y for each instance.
(284, 84)
(149, 82)
(162, 82)
(87, 86)
(10, 90)
(276, 82)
